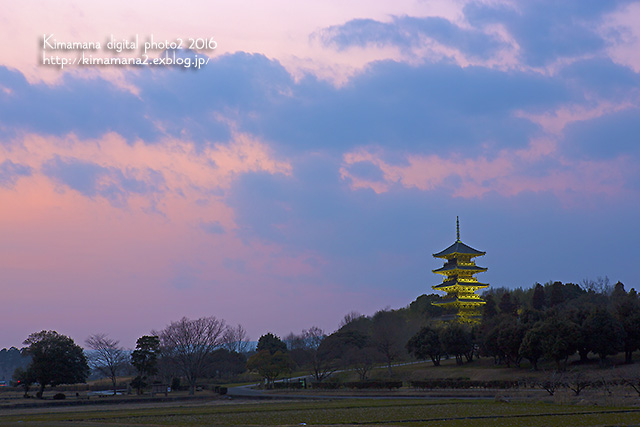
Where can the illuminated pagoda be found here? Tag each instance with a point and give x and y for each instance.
(460, 283)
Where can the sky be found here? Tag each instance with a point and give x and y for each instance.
(316, 161)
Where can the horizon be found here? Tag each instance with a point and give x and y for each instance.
(309, 167)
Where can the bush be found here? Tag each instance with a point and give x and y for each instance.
(374, 384)
(59, 396)
(457, 383)
(328, 385)
(281, 385)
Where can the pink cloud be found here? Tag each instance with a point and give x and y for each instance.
(505, 174)
(81, 264)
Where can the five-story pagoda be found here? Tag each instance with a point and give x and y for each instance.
(460, 283)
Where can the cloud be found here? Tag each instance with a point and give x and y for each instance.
(546, 31)
(91, 179)
(213, 227)
(605, 137)
(86, 107)
(408, 33)
(536, 169)
(432, 107)
(10, 173)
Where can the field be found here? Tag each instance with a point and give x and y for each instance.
(618, 405)
(405, 412)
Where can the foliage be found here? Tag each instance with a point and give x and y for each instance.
(560, 339)
(538, 299)
(225, 363)
(457, 340)
(426, 344)
(351, 348)
(145, 359)
(10, 360)
(532, 346)
(423, 306)
(309, 353)
(604, 332)
(271, 343)
(627, 312)
(270, 366)
(23, 378)
(55, 359)
(389, 335)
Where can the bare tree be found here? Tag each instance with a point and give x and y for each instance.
(350, 317)
(321, 362)
(106, 357)
(236, 339)
(189, 343)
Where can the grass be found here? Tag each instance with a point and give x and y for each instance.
(414, 412)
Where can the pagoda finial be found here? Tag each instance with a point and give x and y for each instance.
(457, 229)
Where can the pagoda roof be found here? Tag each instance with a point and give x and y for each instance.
(454, 282)
(458, 248)
(456, 299)
(452, 267)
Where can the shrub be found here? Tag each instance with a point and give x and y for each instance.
(59, 396)
(459, 383)
(374, 385)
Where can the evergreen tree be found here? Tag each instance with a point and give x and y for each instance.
(538, 301)
(55, 359)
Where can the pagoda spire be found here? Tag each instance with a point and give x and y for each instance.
(457, 229)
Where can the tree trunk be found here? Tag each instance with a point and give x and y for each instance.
(41, 391)
(584, 355)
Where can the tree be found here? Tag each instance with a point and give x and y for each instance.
(509, 339)
(23, 378)
(10, 360)
(351, 348)
(271, 343)
(189, 343)
(236, 339)
(145, 359)
(506, 305)
(320, 361)
(532, 346)
(55, 359)
(538, 301)
(606, 334)
(269, 365)
(628, 314)
(107, 356)
(350, 317)
(557, 294)
(388, 334)
(490, 309)
(456, 339)
(423, 306)
(225, 363)
(560, 339)
(426, 344)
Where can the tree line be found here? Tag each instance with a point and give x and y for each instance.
(543, 324)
